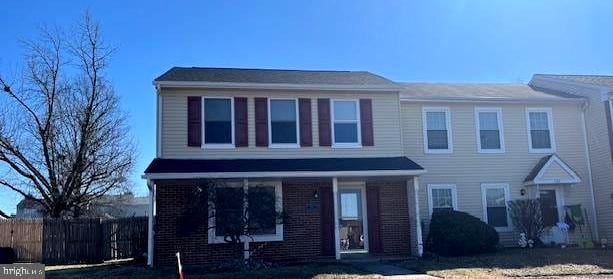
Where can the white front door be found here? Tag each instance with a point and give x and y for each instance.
(353, 230)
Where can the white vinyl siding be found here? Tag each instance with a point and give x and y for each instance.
(541, 137)
(436, 122)
(386, 126)
(490, 131)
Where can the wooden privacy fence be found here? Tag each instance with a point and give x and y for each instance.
(58, 241)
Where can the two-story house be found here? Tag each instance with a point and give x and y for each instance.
(355, 163)
(598, 93)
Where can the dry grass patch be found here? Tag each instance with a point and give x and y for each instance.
(518, 263)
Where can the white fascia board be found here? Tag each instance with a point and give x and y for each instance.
(602, 89)
(282, 174)
(490, 100)
(277, 86)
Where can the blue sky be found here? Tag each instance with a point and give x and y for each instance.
(454, 41)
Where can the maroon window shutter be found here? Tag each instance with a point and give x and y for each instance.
(194, 121)
(306, 126)
(608, 112)
(326, 206)
(241, 137)
(366, 122)
(374, 220)
(261, 122)
(323, 109)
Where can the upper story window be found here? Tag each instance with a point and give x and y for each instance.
(345, 123)
(441, 197)
(218, 122)
(437, 130)
(495, 198)
(283, 123)
(490, 135)
(540, 130)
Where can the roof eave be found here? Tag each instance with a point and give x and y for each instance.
(274, 86)
(282, 174)
(493, 99)
(605, 91)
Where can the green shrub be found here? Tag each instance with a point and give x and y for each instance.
(455, 233)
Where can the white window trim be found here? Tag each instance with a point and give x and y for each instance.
(217, 145)
(498, 112)
(283, 145)
(454, 195)
(551, 130)
(505, 187)
(424, 117)
(278, 236)
(358, 122)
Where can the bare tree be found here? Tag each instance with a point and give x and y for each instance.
(64, 140)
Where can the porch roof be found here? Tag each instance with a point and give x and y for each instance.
(303, 167)
(551, 170)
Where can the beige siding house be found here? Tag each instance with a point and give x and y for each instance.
(360, 162)
(598, 92)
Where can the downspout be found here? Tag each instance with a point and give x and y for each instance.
(418, 234)
(151, 212)
(589, 169)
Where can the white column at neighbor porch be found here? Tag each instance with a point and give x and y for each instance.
(337, 237)
(418, 236)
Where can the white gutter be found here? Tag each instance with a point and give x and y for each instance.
(275, 86)
(151, 215)
(589, 171)
(603, 90)
(196, 175)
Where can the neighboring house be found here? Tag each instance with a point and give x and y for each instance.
(29, 208)
(598, 90)
(4, 216)
(106, 207)
(357, 162)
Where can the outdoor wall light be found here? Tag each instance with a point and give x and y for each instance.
(316, 194)
(522, 191)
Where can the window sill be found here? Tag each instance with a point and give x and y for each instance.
(491, 151)
(284, 145)
(438, 151)
(503, 229)
(218, 146)
(543, 150)
(346, 145)
(254, 238)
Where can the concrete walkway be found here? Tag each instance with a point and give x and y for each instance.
(392, 271)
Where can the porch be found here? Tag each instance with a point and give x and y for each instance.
(335, 208)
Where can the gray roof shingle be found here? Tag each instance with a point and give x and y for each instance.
(274, 76)
(600, 80)
(481, 92)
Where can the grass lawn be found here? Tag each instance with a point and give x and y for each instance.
(128, 270)
(518, 263)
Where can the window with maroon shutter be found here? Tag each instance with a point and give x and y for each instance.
(323, 114)
(366, 122)
(194, 121)
(241, 135)
(345, 123)
(306, 129)
(261, 122)
(217, 119)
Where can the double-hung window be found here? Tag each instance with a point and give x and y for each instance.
(218, 122)
(540, 130)
(490, 135)
(346, 123)
(442, 197)
(283, 126)
(256, 208)
(437, 130)
(495, 198)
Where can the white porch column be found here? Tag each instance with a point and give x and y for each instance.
(151, 213)
(337, 237)
(418, 236)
